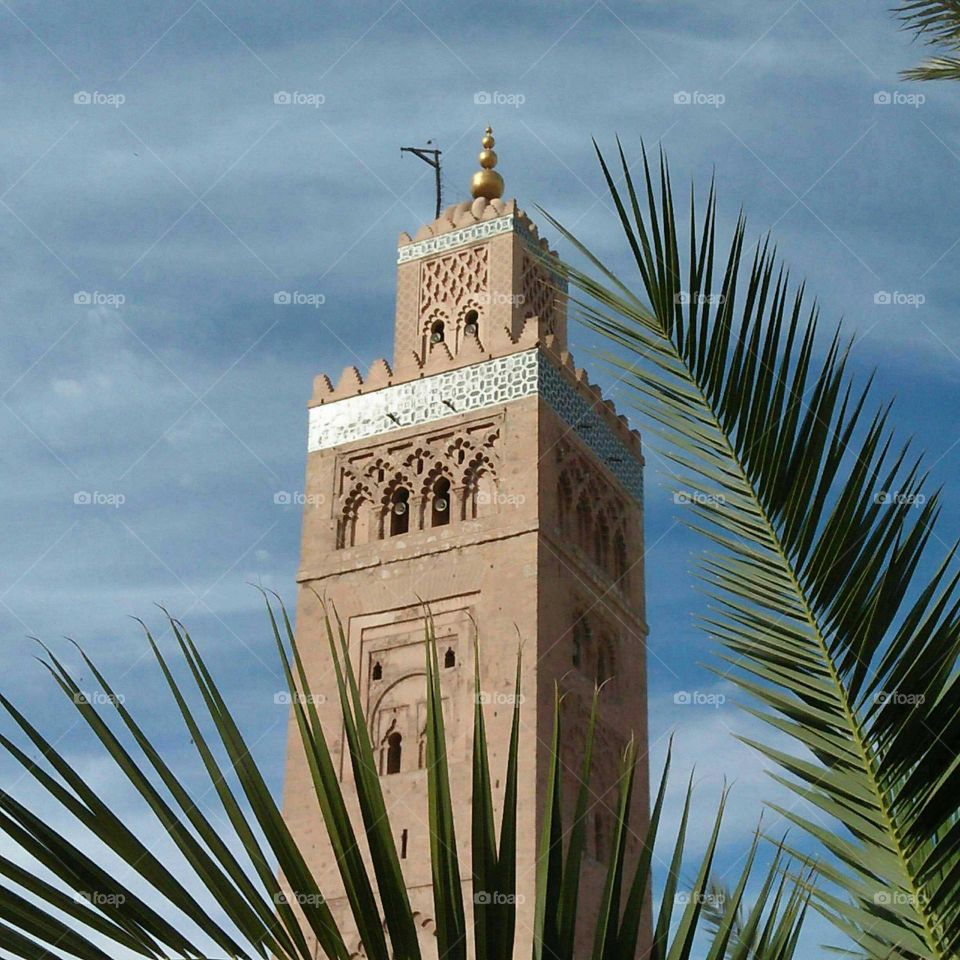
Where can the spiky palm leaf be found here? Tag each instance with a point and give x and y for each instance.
(817, 528)
(938, 23)
(89, 912)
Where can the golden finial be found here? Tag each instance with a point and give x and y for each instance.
(487, 182)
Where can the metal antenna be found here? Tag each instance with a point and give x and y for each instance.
(431, 156)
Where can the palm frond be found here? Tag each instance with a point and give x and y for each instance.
(937, 22)
(818, 526)
(86, 911)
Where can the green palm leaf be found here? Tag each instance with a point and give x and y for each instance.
(938, 23)
(818, 527)
(86, 912)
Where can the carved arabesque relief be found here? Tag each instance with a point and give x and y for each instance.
(452, 289)
(537, 291)
(428, 482)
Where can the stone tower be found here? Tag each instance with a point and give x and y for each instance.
(482, 472)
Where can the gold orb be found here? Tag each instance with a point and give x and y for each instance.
(488, 140)
(487, 183)
(487, 159)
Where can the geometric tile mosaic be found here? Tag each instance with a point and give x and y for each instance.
(490, 383)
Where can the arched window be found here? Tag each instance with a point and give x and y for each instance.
(399, 512)
(377, 672)
(351, 528)
(471, 323)
(437, 332)
(479, 491)
(422, 749)
(449, 659)
(394, 751)
(440, 504)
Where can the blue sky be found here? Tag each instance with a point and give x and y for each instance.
(181, 198)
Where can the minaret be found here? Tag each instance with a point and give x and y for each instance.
(482, 472)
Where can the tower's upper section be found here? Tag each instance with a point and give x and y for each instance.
(475, 284)
(478, 282)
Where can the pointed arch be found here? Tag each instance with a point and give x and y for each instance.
(395, 506)
(353, 524)
(479, 488)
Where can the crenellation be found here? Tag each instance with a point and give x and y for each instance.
(350, 382)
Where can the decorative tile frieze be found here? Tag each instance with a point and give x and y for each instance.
(480, 385)
(456, 238)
